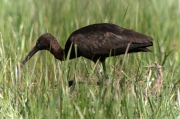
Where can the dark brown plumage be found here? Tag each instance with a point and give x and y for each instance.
(94, 42)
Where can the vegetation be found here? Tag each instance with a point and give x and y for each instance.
(41, 90)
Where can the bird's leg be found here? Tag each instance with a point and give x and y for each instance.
(105, 73)
(100, 77)
(106, 82)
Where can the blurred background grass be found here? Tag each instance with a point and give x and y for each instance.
(41, 91)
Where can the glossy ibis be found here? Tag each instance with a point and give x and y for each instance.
(94, 42)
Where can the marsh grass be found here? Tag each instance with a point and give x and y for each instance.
(41, 89)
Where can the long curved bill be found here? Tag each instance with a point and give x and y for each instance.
(30, 54)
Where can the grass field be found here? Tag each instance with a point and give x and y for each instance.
(40, 90)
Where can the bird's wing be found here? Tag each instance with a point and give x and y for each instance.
(103, 42)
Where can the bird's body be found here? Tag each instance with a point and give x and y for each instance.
(94, 42)
(99, 41)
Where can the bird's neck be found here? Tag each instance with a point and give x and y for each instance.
(57, 51)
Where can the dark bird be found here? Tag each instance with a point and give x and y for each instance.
(94, 42)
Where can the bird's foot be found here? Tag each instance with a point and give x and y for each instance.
(73, 82)
(70, 83)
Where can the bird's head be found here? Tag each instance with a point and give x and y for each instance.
(44, 42)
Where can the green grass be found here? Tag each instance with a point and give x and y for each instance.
(40, 90)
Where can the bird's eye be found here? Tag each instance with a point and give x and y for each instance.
(37, 42)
